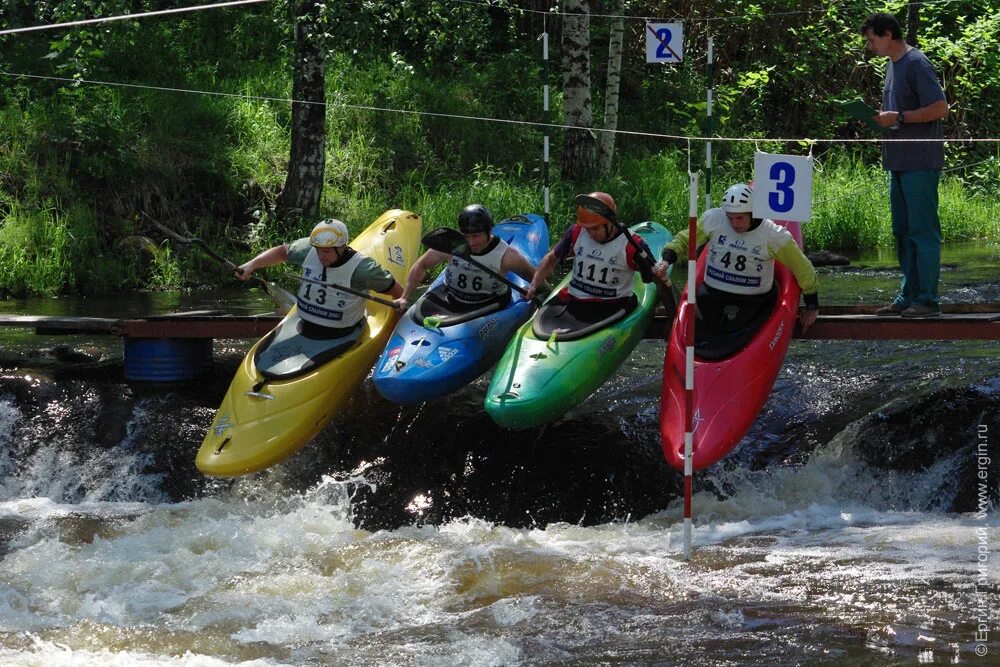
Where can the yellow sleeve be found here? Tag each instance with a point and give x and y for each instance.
(680, 242)
(805, 274)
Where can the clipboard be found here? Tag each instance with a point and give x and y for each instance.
(861, 111)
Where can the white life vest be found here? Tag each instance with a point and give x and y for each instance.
(600, 270)
(471, 284)
(327, 306)
(741, 263)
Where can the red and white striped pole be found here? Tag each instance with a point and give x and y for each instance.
(689, 365)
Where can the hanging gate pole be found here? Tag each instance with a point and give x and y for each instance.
(545, 120)
(689, 365)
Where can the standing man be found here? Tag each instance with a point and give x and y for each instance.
(913, 105)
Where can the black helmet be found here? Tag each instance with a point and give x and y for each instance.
(475, 218)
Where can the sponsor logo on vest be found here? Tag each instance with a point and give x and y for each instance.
(777, 335)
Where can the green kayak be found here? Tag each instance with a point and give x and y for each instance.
(546, 370)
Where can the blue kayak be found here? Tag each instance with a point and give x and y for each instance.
(436, 348)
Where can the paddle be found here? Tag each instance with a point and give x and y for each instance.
(451, 242)
(281, 297)
(665, 291)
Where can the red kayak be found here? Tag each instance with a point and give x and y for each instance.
(729, 392)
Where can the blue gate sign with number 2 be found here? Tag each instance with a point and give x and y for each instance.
(663, 34)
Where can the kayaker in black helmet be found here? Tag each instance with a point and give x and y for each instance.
(468, 285)
(739, 288)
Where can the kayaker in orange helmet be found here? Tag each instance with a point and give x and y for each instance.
(604, 262)
(468, 285)
(739, 288)
(325, 257)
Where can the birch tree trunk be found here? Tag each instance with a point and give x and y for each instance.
(613, 85)
(579, 149)
(912, 22)
(304, 182)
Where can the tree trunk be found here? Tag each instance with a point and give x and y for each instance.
(304, 183)
(613, 86)
(912, 22)
(579, 149)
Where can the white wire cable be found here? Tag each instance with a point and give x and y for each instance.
(127, 17)
(508, 121)
(676, 17)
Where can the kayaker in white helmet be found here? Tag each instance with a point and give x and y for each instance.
(325, 257)
(467, 285)
(739, 277)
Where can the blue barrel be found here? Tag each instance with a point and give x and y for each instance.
(166, 359)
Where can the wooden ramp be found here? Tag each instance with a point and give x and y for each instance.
(957, 322)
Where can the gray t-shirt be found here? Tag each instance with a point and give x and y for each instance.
(911, 83)
(367, 276)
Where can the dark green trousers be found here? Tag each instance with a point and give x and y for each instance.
(913, 201)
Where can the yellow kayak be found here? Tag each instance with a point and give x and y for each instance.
(264, 418)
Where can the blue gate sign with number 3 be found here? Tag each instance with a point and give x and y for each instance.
(783, 198)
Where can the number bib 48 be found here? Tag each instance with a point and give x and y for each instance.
(738, 263)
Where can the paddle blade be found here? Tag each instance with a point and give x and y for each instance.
(446, 240)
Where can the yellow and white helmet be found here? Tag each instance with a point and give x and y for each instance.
(330, 233)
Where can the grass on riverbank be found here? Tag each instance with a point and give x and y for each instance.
(77, 169)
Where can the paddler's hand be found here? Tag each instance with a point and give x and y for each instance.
(532, 291)
(401, 304)
(660, 270)
(244, 271)
(807, 317)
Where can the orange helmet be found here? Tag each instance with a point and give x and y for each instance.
(586, 218)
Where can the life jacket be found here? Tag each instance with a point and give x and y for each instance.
(741, 263)
(328, 306)
(470, 284)
(600, 270)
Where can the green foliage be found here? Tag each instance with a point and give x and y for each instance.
(79, 164)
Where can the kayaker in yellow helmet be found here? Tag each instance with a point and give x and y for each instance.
(739, 288)
(467, 285)
(604, 263)
(327, 260)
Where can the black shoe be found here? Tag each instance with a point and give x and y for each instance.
(892, 309)
(922, 310)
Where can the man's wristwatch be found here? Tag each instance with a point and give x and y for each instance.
(899, 118)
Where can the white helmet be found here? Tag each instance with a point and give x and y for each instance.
(738, 199)
(329, 233)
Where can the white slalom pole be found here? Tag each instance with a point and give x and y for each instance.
(689, 365)
(545, 119)
(708, 129)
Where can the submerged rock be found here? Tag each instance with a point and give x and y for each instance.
(912, 434)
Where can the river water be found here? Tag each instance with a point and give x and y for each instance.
(849, 527)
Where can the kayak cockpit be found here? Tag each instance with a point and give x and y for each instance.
(448, 312)
(577, 319)
(296, 347)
